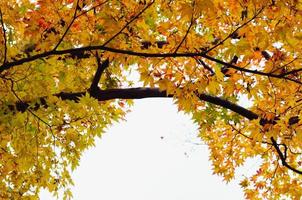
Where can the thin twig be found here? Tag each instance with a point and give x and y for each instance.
(93, 7)
(34, 114)
(4, 37)
(233, 32)
(292, 152)
(75, 16)
(286, 73)
(291, 72)
(127, 24)
(246, 136)
(70, 24)
(200, 61)
(28, 109)
(272, 177)
(184, 38)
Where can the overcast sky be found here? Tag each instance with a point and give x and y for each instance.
(152, 155)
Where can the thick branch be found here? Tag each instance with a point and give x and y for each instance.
(229, 105)
(101, 67)
(141, 92)
(130, 93)
(101, 95)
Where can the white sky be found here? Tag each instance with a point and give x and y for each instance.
(132, 162)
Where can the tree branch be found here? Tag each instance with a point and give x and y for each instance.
(70, 24)
(235, 31)
(127, 24)
(283, 156)
(139, 93)
(229, 105)
(230, 65)
(9, 65)
(101, 67)
(4, 37)
(184, 38)
(75, 16)
(144, 92)
(291, 72)
(100, 95)
(200, 61)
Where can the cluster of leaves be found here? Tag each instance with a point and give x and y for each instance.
(63, 74)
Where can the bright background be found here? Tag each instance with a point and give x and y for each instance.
(154, 154)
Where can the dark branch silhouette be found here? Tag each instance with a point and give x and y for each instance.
(187, 32)
(75, 16)
(145, 92)
(283, 156)
(69, 26)
(200, 61)
(101, 67)
(9, 65)
(235, 31)
(139, 93)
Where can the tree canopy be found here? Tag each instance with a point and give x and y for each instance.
(64, 74)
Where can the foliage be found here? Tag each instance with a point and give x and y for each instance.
(64, 80)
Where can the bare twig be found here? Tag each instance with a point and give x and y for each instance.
(4, 37)
(293, 152)
(249, 70)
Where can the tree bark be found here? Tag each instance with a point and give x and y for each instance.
(145, 92)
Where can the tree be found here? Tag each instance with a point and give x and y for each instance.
(64, 77)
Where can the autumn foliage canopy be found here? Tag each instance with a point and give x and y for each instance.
(64, 78)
